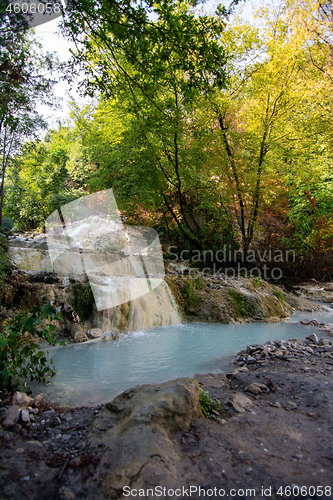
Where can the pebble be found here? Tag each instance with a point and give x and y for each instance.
(254, 389)
(240, 403)
(313, 337)
(286, 350)
(25, 417)
(75, 462)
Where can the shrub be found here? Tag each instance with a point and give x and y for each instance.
(7, 223)
(256, 282)
(239, 303)
(207, 404)
(20, 353)
(4, 262)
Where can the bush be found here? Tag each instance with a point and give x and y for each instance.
(7, 223)
(256, 282)
(239, 303)
(207, 404)
(20, 353)
(4, 262)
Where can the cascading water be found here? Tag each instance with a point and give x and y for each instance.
(124, 266)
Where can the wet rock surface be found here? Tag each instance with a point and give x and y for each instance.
(226, 300)
(274, 429)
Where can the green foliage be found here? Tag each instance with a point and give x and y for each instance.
(213, 132)
(191, 288)
(83, 300)
(25, 81)
(278, 294)
(44, 176)
(4, 262)
(239, 303)
(256, 282)
(207, 404)
(21, 356)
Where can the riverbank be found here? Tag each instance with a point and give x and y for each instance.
(274, 430)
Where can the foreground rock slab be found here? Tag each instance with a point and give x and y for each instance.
(138, 445)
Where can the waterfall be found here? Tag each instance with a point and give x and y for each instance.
(86, 239)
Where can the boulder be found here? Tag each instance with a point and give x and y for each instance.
(22, 399)
(77, 333)
(111, 335)
(138, 447)
(95, 333)
(12, 414)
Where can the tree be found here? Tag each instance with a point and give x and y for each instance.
(136, 44)
(155, 61)
(257, 117)
(24, 80)
(44, 176)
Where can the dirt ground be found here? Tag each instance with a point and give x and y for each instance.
(278, 442)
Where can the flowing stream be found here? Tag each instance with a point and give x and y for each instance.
(96, 371)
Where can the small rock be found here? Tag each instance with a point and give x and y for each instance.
(75, 462)
(12, 415)
(38, 400)
(113, 335)
(22, 399)
(261, 386)
(250, 360)
(49, 413)
(91, 469)
(323, 342)
(252, 348)
(279, 354)
(254, 389)
(308, 349)
(95, 333)
(55, 421)
(66, 494)
(80, 444)
(77, 333)
(313, 337)
(240, 403)
(25, 417)
(241, 369)
(34, 411)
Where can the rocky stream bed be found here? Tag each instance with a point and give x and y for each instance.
(271, 436)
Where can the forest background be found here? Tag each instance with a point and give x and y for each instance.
(212, 130)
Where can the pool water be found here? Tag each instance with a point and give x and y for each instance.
(96, 371)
